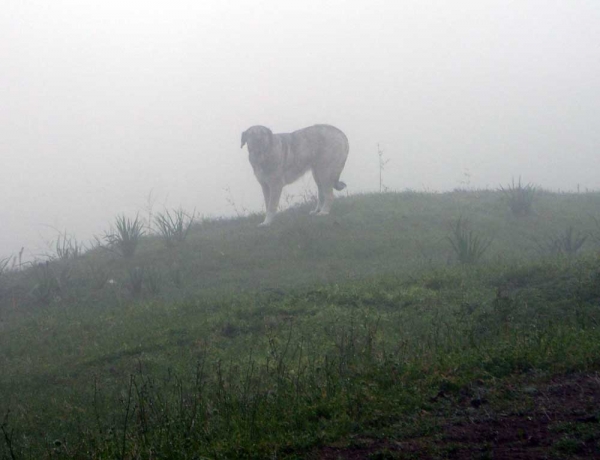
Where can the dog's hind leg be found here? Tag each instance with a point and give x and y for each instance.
(321, 195)
(325, 184)
(327, 201)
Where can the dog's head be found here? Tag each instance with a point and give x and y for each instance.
(258, 138)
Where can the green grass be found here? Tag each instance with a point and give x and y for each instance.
(259, 343)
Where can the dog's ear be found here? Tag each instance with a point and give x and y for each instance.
(243, 139)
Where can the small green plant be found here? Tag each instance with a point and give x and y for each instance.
(566, 243)
(468, 246)
(126, 237)
(520, 197)
(175, 227)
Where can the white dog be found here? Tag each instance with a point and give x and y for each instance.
(280, 159)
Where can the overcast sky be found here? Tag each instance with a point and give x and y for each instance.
(105, 102)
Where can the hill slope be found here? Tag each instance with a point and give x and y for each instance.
(259, 342)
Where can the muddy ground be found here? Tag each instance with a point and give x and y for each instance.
(527, 418)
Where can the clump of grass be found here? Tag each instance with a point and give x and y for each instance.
(566, 243)
(520, 197)
(175, 227)
(127, 235)
(468, 246)
(66, 247)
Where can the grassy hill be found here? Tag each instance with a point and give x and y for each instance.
(314, 338)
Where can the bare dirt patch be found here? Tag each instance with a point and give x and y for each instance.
(558, 418)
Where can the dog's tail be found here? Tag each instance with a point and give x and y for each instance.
(339, 185)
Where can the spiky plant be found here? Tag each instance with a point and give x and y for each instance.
(519, 197)
(468, 246)
(175, 227)
(572, 241)
(126, 236)
(566, 243)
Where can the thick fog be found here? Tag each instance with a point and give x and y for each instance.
(108, 107)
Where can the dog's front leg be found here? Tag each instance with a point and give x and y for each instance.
(273, 204)
(266, 194)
